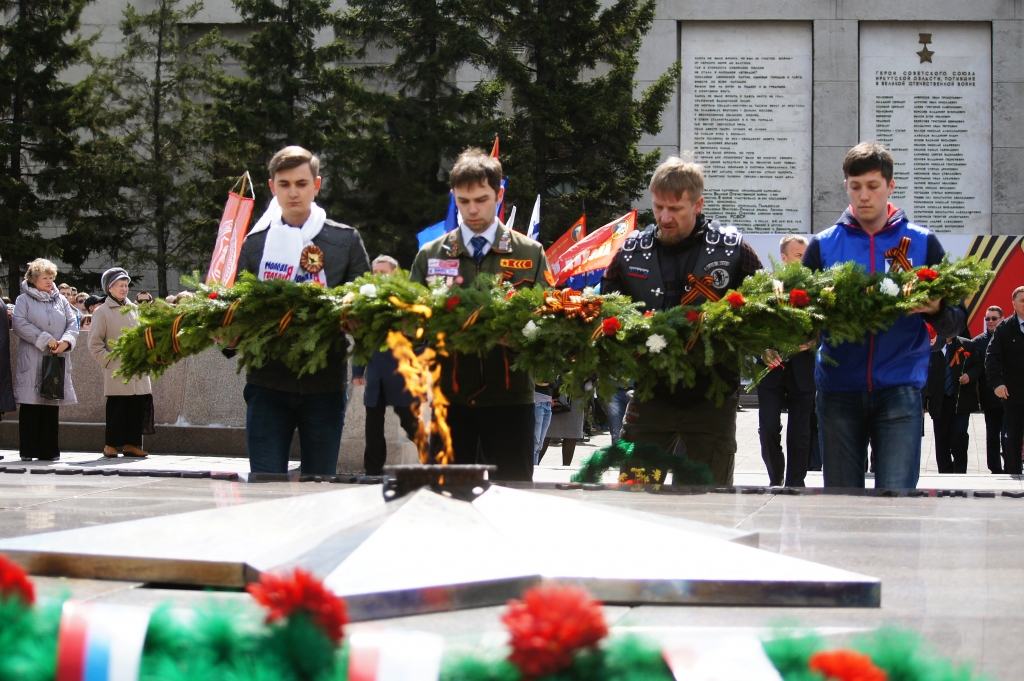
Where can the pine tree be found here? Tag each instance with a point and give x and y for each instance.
(572, 135)
(294, 88)
(422, 119)
(157, 86)
(58, 198)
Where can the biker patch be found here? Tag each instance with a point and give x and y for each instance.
(638, 272)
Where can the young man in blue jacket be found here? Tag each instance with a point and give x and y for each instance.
(872, 390)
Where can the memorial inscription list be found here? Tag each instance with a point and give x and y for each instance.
(749, 125)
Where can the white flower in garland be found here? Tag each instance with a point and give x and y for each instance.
(530, 330)
(778, 287)
(889, 287)
(368, 290)
(656, 343)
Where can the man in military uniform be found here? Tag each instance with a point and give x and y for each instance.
(684, 259)
(491, 412)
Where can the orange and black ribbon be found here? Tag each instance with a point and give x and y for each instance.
(900, 261)
(285, 321)
(692, 342)
(229, 316)
(956, 357)
(175, 346)
(700, 287)
(148, 336)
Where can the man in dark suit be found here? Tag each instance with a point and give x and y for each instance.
(384, 386)
(1004, 368)
(953, 373)
(789, 383)
(995, 434)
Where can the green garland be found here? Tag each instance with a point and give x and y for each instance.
(784, 309)
(642, 463)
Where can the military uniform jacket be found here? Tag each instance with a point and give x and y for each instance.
(485, 380)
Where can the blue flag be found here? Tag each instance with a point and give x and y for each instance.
(450, 222)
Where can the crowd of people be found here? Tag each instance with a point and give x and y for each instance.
(841, 399)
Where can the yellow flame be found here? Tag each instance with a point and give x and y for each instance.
(422, 375)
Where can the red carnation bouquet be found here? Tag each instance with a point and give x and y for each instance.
(14, 583)
(549, 626)
(845, 665)
(285, 595)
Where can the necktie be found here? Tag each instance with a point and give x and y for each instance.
(478, 243)
(950, 385)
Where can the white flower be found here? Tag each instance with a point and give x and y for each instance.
(888, 287)
(368, 290)
(588, 291)
(531, 329)
(656, 343)
(778, 287)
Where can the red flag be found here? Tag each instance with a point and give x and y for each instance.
(234, 224)
(596, 251)
(567, 240)
(494, 149)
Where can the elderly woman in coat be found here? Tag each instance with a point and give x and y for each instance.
(45, 324)
(127, 403)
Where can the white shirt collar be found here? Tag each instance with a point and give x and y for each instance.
(490, 233)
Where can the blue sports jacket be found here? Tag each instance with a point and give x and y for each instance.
(899, 355)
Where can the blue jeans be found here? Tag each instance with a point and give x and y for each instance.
(615, 408)
(271, 417)
(541, 421)
(891, 417)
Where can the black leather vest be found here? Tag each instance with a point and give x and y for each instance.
(719, 259)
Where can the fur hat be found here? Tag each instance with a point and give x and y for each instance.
(112, 275)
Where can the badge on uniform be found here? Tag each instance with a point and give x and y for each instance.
(517, 264)
(638, 272)
(504, 243)
(442, 268)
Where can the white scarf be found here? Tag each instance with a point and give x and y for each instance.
(282, 251)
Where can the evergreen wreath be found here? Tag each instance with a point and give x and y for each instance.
(572, 334)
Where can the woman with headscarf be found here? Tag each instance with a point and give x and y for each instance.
(127, 402)
(46, 324)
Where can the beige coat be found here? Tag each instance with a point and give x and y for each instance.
(107, 324)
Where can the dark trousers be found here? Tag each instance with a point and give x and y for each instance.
(125, 416)
(1013, 421)
(501, 436)
(951, 437)
(38, 426)
(376, 452)
(994, 436)
(271, 417)
(798, 436)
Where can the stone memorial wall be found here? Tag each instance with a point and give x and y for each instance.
(926, 93)
(746, 115)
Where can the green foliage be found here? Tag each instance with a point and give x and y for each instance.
(630, 456)
(156, 88)
(28, 640)
(572, 134)
(54, 169)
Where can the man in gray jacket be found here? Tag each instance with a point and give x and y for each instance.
(294, 240)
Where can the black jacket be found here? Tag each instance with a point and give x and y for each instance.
(962, 358)
(988, 399)
(1004, 361)
(344, 259)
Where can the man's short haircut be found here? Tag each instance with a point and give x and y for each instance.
(676, 176)
(474, 166)
(1019, 289)
(81, 297)
(866, 157)
(293, 157)
(995, 308)
(143, 293)
(790, 238)
(64, 286)
(385, 259)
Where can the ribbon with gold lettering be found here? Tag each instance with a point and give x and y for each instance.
(900, 261)
(700, 287)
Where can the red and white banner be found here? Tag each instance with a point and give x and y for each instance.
(233, 226)
(595, 252)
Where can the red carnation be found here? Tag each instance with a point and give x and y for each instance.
(798, 297)
(549, 626)
(649, 313)
(213, 295)
(736, 299)
(301, 591)
(450, 304)
(14, 582)
(846, 665)
(692, 316)
(611, 326)
(508, 296)
(927, 274)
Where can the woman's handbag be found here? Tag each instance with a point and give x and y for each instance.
(52, 385)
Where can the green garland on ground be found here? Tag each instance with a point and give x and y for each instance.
(605, 336)
(642, 463)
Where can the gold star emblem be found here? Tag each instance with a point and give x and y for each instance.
(925, 54)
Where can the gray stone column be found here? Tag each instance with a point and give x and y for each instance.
(1008, 127)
